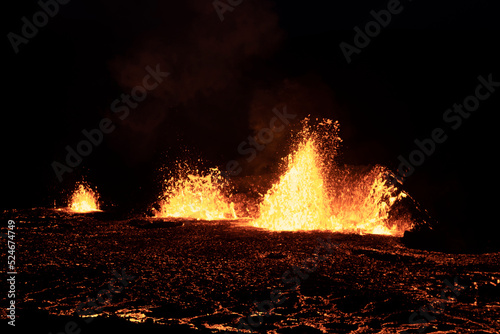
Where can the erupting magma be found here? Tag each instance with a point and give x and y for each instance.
(84, 199)
(196, 195)
(315, 194)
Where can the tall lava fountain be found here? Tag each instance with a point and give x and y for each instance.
(313, 193)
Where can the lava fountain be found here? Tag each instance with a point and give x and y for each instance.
(84, 199)
(196, 195)
(299, 200)
(315, 194)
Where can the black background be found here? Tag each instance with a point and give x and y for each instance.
(227, 76)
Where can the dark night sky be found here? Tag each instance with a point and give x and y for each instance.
(227, 76)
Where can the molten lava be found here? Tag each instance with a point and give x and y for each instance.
(299, 200)
(311, 196)
(313, 193)
(360, 203)
(84, 199)
(196, 195)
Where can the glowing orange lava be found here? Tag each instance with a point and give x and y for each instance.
(299, 200)
(84, 199)
(306, 197)
(196, 196)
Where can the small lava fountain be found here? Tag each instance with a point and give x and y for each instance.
(84, 199)
(196, 195)
(315, 194)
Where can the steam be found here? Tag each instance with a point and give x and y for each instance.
(222, 86)
(208, 61)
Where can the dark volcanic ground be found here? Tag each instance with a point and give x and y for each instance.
(205, 276)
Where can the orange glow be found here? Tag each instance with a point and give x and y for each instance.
(315, 194)
(361, 203)
(196, 196)
(84, 199)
